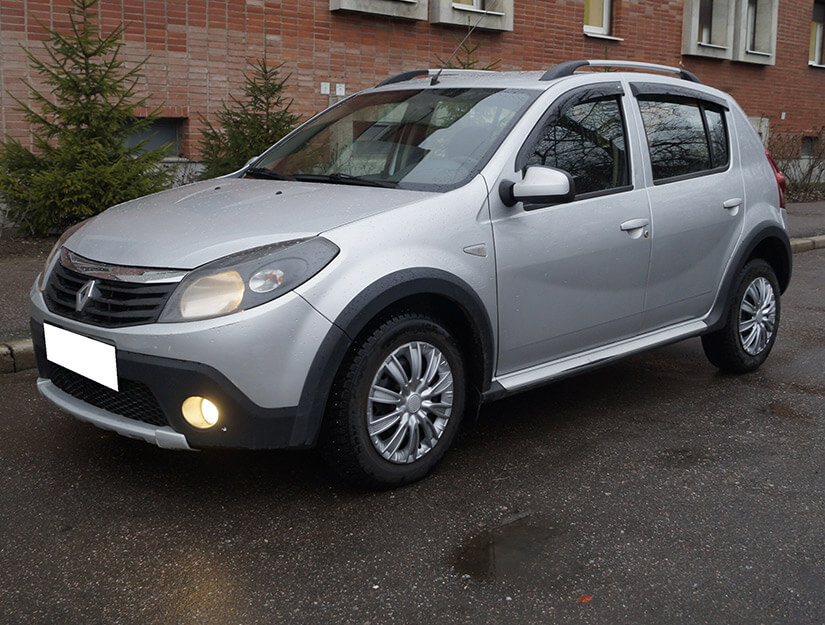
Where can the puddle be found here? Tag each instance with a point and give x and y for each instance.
(512, 549)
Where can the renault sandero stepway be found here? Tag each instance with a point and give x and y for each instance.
(440, 240)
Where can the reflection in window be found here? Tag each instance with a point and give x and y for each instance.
(718, 137)
(677, 140)
(422, 139)
(586, 140)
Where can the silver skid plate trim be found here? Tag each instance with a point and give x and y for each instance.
(571, 364)
(164, 437)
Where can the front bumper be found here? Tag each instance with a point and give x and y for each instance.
(264, 381)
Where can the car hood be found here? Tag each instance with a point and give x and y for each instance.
(186, 227)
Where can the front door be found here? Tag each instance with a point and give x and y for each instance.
(572, 276)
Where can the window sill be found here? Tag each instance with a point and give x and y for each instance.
(710, 46)
(758, 53)
(602, 36)
(468, 9)
(819, 65)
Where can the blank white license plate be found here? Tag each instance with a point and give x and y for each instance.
(90, 358)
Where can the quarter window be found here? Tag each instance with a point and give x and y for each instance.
(587, 140)
(684, 138)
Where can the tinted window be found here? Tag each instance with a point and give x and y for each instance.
(718, 137)
(675, 137)
(586, 140)
(684, 137)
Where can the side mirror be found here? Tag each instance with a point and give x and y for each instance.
(540, 185)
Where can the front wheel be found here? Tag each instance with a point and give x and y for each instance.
(753, 319)
(396, 404)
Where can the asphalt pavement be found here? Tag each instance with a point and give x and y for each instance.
(806, 226)
(653, 491)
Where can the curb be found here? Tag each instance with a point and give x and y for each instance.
(18, 355)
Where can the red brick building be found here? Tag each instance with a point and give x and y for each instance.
(767, 53)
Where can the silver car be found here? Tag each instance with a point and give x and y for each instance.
(444, 239)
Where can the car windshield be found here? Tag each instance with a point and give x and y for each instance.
(424, 139)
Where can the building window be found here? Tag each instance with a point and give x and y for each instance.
(484, 14)
(756, 31)
(817, 35)
(403, 9)
(705, 21)
(707, 29)
(478, 5)
(737, 30)
(597, 16)
(809, 145)
(163, 131)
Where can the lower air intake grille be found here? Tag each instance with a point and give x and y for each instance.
(133, 401)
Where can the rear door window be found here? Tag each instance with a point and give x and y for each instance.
(685, 137)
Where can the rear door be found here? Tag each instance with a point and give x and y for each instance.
(696, 199)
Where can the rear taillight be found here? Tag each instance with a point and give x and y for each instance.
(781, 183)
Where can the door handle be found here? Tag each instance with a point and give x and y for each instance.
(634, 228)
(732, 203)
(634, 224)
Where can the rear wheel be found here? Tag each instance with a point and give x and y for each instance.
(753, 319)
(396, 404)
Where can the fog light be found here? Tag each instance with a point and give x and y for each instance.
(200, 412)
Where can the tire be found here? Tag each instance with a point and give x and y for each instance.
(747, 338)
(396, 404)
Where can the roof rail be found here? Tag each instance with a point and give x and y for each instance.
(404, 76)
(568, 68)
(428, 72)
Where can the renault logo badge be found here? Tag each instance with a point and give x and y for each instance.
(84, 295)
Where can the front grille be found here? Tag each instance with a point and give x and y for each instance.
(112, 304)
(133, 401)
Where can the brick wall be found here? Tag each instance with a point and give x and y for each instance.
(198, 50)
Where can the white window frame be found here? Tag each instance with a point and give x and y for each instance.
(816, 55)
(607, 27)
(402, 9)
(495, 14)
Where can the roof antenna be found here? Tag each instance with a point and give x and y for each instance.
(434, 80)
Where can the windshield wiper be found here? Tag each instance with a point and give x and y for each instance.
(268, 174)
(341, 178)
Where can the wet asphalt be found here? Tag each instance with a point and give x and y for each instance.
(655, 490)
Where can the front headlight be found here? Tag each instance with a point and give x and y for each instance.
(251, 278)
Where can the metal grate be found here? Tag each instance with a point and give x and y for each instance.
(112, 304)
(133, 401)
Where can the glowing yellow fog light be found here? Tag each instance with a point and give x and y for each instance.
(200, 412)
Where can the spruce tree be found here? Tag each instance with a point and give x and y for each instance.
(80, 164)
(249, 126)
